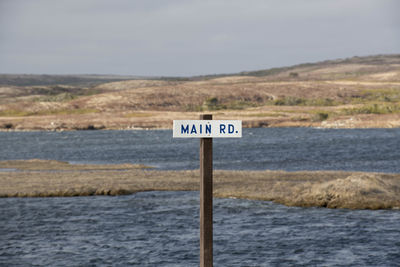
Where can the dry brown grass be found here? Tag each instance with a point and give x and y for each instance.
(265, 98)
(332, 189)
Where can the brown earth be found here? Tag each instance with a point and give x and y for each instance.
(331, 189)
(352, 93)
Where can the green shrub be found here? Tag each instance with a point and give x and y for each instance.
(296, 101)
(212, 104)
(321, 116)
(384, 95)
(56, 98)
(240, 105)
(290, 101)
(374, 109)
(8, 126)
(13, 113)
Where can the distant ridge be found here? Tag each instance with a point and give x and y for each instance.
(94, 79)
(367, 60)
(46, 79)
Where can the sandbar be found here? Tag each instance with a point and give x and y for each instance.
(330, 189)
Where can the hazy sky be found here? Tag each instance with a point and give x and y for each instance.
(188, 37)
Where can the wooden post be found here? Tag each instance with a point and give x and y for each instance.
(206, 199)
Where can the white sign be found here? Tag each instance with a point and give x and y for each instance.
(207, 128)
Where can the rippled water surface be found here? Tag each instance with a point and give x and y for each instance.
(161, 229)
(259, 149)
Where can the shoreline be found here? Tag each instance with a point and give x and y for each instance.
(330, 189)
(255, 118)
(169, 128)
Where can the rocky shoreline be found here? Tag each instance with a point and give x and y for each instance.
(331, 189)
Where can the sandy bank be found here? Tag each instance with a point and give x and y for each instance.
(332, 189)
(260, 117)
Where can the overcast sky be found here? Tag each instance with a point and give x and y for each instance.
(188, 37)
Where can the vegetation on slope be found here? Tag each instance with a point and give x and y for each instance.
(314, 94)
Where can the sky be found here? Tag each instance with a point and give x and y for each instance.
(189, 37)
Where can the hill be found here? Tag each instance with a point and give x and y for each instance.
(345, 93)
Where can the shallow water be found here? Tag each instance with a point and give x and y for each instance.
(267, 148)
(161, 229)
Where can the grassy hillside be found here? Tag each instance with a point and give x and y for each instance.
(355, 92)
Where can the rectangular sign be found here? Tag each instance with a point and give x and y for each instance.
(207, 128)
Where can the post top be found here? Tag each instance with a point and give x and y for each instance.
(206, 117)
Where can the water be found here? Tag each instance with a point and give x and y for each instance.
(289, 149)
(161, 228)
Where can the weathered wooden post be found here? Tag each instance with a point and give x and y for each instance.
(206, 199)
(206, 129)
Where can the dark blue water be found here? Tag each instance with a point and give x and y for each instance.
(161, 229)
(271, 148)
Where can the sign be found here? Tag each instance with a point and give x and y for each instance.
(207, 129)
